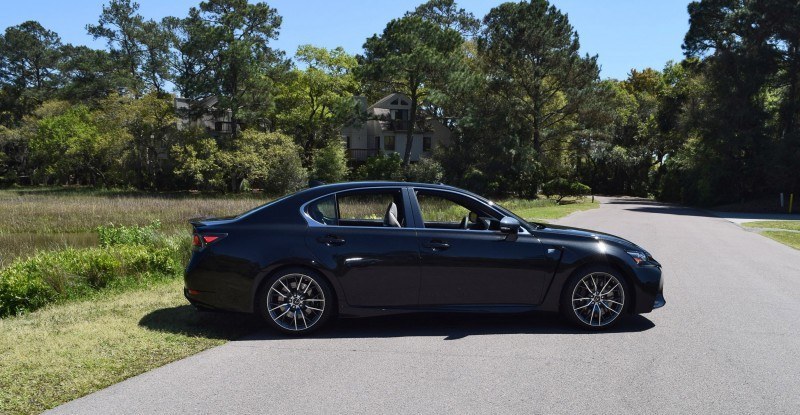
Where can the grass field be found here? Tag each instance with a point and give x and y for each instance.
(69, 349)
(63, 352)
(786, 232)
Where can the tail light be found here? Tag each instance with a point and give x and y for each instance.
(200, 241)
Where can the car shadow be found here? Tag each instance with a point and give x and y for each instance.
(187, 321)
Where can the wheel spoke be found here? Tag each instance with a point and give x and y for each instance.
(611, 309)
(615, 302)
(611, 290)
(278, 306)
(315, 299)
(583, 306)
(582, 299)
(312, 308)
(288, 291)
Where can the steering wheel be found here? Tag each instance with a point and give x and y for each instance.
(464, 223)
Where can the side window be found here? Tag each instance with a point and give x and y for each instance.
(371, 208)
(324, 211)
(443, 212)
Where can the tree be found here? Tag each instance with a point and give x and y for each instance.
(318, 100)
(410, 56)
(330, 162)
(446, 14)
(139, 47)
(29, 75)
(530, 54)
(732, 154)
(223, 51)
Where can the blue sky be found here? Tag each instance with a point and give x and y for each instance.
(624, 33)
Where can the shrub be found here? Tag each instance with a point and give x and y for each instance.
(128, 256)
(330, 163)
(381, 167)
(128, 235)
(427, 170)
(562, 188)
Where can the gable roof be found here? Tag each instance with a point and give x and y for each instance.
(388, 100)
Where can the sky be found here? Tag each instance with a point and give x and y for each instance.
(626, 34)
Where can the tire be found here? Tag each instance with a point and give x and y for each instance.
(295, 301)
(595, 298)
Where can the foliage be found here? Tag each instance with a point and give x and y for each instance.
(111, 235)
(562, 188)
(318, 100)
(51, 276)
(410, 56)
(330, 163)
(427, 170)
(381, 167)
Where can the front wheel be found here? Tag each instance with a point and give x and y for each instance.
(595, 298)
(295, 301)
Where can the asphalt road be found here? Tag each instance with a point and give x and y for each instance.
(728, 340)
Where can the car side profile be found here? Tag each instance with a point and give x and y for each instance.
(374, 248)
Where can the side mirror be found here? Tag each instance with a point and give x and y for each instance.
(510, 227)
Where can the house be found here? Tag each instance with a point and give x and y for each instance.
(204, 114)
(384, 131)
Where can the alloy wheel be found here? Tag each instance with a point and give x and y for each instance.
(598, 299)
(295, 302)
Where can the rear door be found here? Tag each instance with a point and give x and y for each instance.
(465, 263)
(375, 260)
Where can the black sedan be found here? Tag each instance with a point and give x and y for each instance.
(371, 248)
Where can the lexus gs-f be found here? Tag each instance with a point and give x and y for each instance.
(371, 248)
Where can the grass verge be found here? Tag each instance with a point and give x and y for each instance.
(65, 351)
(791, 225)
(786, 232)
(544, 210)
(787, 238)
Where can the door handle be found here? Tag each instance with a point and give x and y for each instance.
(330, 240)
(437, 245)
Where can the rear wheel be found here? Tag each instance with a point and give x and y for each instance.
(295, 301)
(595, 298)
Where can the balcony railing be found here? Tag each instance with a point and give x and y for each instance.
(361, 154)
(399, 125)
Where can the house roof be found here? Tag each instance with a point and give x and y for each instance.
(388, 100)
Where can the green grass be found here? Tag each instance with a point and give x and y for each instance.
(792, 225)
(544, 210)
(66, 351)
(787, 238)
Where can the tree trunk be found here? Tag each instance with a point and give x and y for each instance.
(410, 133)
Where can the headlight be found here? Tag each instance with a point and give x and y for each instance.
(638, 256)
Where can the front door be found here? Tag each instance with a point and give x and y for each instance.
(465, 263)
(368, 245)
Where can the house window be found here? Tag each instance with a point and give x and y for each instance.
(426, 144)
(394, 102)
(388, 142)
(218, 126)
(377, 142)
(347, 139)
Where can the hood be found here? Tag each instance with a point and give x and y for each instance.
(587, 233)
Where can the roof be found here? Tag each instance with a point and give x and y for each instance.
(385, 102)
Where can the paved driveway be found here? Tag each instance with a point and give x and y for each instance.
(728, 340)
